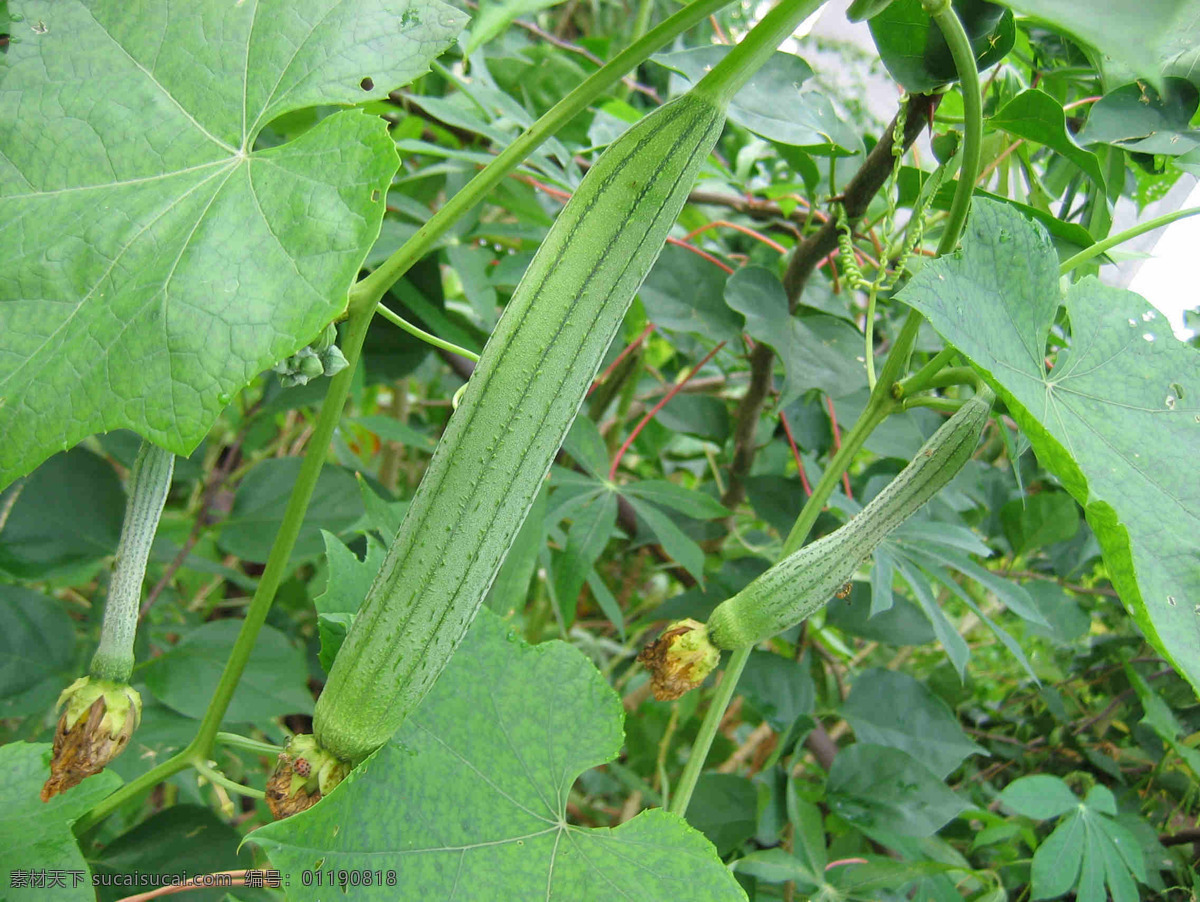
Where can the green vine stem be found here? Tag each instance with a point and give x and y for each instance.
(945, 405)
(682, 795)
(149, 482)
(1112, 241)
(237, 741)
(881, 403)
(428, 337)
(968, 76)
(920, 380)
(752, 51)
(363, 298)
(214, 776)
(371, 290)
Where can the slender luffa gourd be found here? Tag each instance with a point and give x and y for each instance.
(101, 710)
(803, 582)
(518, 406)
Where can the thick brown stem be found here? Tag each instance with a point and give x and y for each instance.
(749, 409)
(859, 192)
(865, 184)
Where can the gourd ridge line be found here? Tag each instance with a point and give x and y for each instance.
(389, 568)
(417, 661)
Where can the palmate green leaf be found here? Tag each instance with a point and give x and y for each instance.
(674, 540)
(947, 634)
(893, 709)
(874, 786)
(1036, 116)
(1139, 118)
(1040, 796)
(1116, 419)
(349, 580)
(773, 103)
(1057, 861)
(689, 502)
(154, 261)
(37, 834)
(1088, 851)
(817, 351)
(469, 799)
(1151, 37)
(590, 530)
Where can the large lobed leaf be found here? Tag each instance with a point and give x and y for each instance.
(154, 261)
(1117, 418)
(468, 801)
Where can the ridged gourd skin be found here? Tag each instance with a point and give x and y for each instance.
(803, 582)
(149, 484)
(518, 406)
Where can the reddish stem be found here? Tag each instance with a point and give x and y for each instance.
(699, 253)
(745, 230)
(629, 348)
(675, 389)
(787, 430)
(837, 443)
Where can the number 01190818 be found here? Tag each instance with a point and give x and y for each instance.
(343, 877)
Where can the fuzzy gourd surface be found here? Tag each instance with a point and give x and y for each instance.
(803, 582)
(499, 444)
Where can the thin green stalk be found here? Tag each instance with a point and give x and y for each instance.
(752, 51)
(149, 482)
(370, 290)
(721, 84)
(682, 794)
(968, 76)
(279, 560)
(428, 337)
(1112, 241)
(954, 375)
(215, 776)
(919, 380)
(946, 405)
(237, 741)
(642, 21)
(879, 406)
